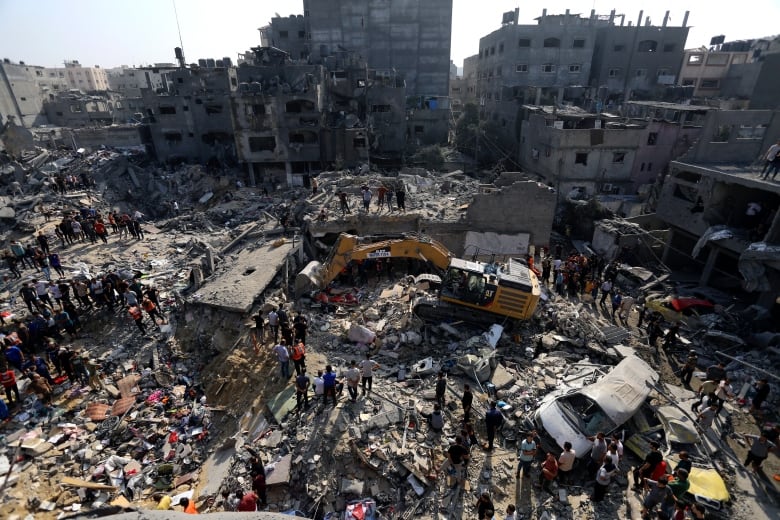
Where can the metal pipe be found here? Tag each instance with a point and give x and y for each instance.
(685, 19)
(639, 20)
(754, 367)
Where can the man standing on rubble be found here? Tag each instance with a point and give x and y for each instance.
(493, 422)
(441, 389)
(366, 198)
(367, 367)
(353, 378)
(465, 401)
(300, 325)
(330, 381)
(457, 459)
(652, 459)
(343, 202)
(283, 355)
(273, 323)
(298, 356)
(597, 453)
(527, 454)
(302, 390)
(686, 373)
(606, 288)
(707, 389)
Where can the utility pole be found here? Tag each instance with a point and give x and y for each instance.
(368, 124)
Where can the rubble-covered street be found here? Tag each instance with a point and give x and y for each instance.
(190, 400)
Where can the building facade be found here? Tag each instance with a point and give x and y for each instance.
(704, 70)
(714, 188)
(636, 61)
(410, 36)
(192, 121)
(23, 90)
(88, 79)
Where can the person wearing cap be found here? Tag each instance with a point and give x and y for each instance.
(686, 374)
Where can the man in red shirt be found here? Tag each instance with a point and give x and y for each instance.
(246, 502)
(8, 379)
(549, 472)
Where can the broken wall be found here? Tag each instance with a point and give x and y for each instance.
(524, 207)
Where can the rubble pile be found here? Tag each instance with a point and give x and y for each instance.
(187, 410)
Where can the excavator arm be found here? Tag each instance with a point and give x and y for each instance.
(318, 275)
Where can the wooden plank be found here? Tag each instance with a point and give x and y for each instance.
(79, 483)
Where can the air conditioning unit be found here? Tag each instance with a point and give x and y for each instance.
(606, 188)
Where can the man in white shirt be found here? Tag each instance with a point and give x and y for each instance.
(566, 462)
(353, 378)
(273, 322)
(770, 160)
(367, 367)
(319, 387)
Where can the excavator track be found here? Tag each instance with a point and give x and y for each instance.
(435, 311)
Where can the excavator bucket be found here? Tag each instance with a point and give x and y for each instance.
(309, 279)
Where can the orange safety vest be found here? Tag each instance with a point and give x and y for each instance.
(298, 351)
(8, 379)
(135, 313)
(148, 305)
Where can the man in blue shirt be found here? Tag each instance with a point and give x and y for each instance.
(331, 381)
(493, 421)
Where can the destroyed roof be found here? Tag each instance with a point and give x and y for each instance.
(621, 392)
(672, 106)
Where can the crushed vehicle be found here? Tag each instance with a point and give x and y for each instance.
(685, 310)
(676, 431)
(573, 414)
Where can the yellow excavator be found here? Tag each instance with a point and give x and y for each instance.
(472, 291)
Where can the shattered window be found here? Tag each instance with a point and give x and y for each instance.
(262, 144)
(722, 134)
(647, 46)
(552, 42)
(524, 42)
(213, 109)
(618, 157)
(581, 158)
(579, 43)
(167, 110)
(258, 109)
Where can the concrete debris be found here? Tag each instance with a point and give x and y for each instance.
(200, 401)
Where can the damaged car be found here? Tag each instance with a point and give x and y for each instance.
(675, 430)
(573, 414)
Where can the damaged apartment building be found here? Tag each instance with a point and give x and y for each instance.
(292, 118)
(583, 154)
(719, 209)
(589, 61)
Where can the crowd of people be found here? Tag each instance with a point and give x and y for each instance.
(57, 307)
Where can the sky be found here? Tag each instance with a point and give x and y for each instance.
(111, 33)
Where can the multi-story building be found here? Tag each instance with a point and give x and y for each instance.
(24, 88)
(289, 33)
(410, 36)
(291, 119)
(704, 69)
(714, 187)
(756, 80)
(192, 120)
(74, 109)
(129, 82)
(470, 78)
(88, 79)
(590, 154)
(636, 61)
